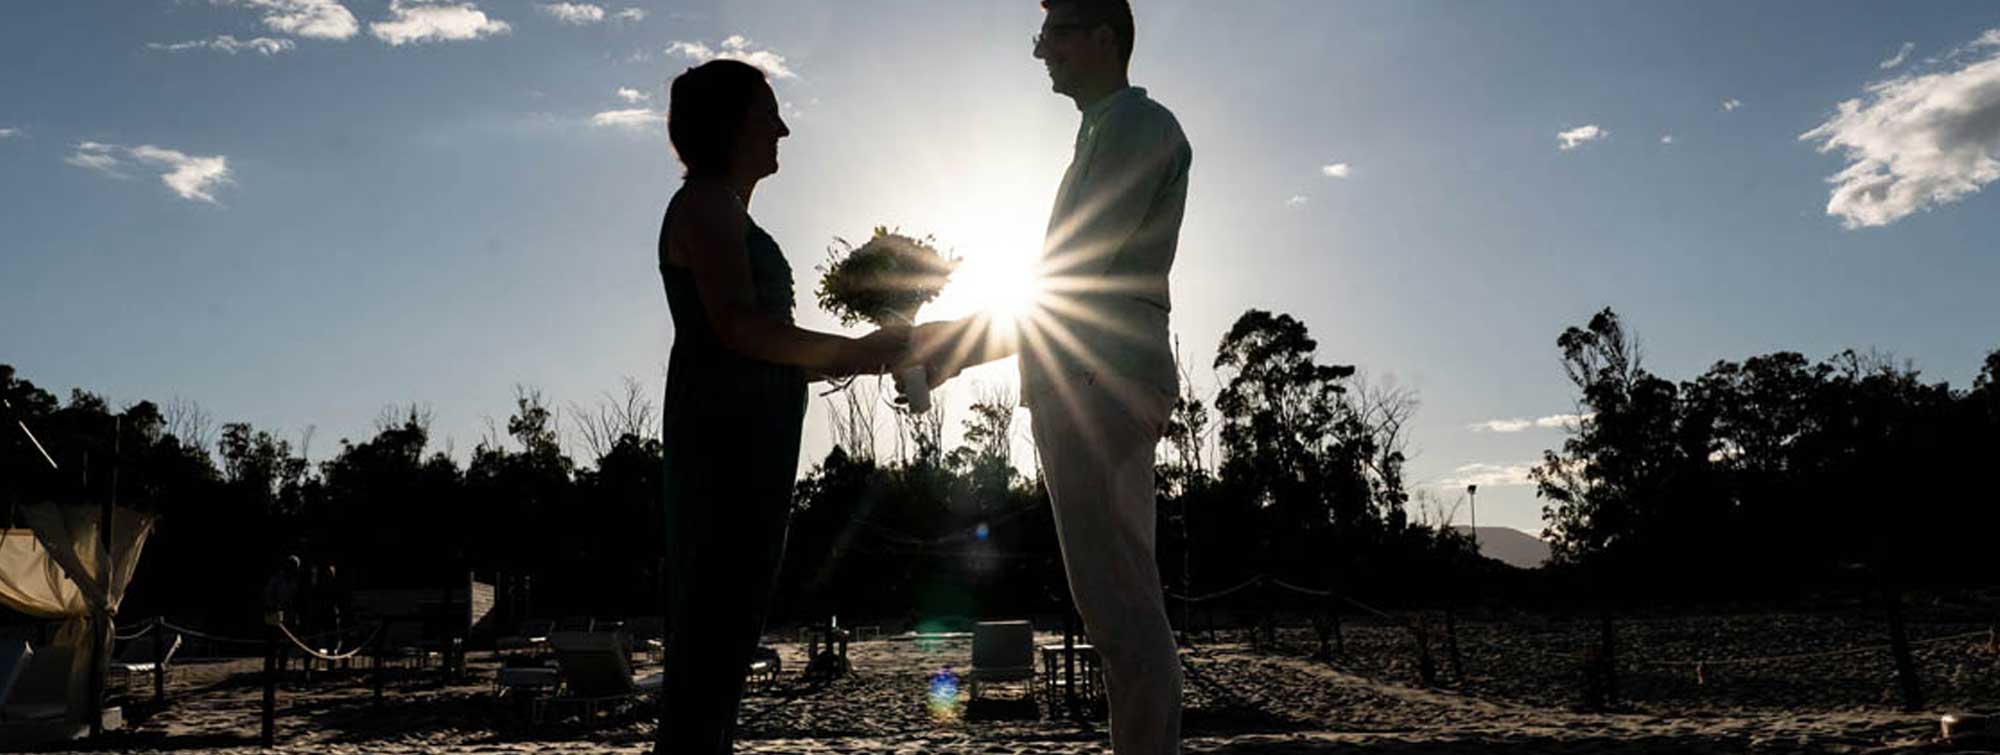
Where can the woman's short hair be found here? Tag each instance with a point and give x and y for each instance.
(706, 106)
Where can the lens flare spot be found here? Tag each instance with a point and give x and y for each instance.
(982, 532)
(944, 705)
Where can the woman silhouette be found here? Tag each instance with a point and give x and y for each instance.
(735, 400)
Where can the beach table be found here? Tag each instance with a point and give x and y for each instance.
(1089, 679)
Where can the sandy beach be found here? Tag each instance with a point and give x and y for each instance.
(1239, 699)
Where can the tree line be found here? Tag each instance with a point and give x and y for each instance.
(1757, 476)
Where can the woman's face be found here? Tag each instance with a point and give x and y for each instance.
(757, 144)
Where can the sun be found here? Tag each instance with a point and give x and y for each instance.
(997, 274)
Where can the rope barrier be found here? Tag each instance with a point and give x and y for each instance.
(301, 645)
(146, 627)
(198, 634)
(1217, 594)
(1806, 656)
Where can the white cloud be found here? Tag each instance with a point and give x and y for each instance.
(1489, 476)
(95, 156)
(1336, 170)
(1915, 141)
(8, 133)
(631, 95)
(229, 44)
(574, 13)
(631, 14)
(314, 19)
(1901, 55)
(1666, 138)
(435, 21)
(736, 47)
(1553, 421)
(1580, 135)
(193, 177)
(637, 118)
(1731, 104)
(1298, 200)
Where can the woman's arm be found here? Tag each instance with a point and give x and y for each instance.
(710, 233)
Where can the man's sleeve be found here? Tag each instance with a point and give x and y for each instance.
(1139, 152)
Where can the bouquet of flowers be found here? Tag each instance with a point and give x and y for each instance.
(884, 282)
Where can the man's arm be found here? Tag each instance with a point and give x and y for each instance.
(948, 347)
(1139, 151)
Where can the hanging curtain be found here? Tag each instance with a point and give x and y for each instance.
(57, 569)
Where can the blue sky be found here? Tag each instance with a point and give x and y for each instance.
(348, 204)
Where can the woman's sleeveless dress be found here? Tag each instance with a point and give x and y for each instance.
(731, 429)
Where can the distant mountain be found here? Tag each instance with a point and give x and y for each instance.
(1510, 546)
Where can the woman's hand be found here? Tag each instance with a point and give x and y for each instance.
(881, 351)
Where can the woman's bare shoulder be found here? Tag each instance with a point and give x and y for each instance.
(705, 215)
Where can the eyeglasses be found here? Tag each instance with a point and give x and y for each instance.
(1052, 29)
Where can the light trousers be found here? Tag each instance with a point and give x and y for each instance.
(1096, 439)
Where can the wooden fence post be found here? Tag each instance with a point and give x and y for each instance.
(269, 733)
(1899, 644)
(1608, 639)
(1426, 667)
(1451, 646)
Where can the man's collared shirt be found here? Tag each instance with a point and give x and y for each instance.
(1110, 246)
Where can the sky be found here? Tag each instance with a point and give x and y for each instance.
(298, 212)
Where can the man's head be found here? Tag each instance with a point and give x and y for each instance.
(1086, 44)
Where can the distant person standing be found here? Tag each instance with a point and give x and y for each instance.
(735, 400)
(1097, 365)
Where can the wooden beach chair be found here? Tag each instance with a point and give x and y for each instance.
(1002, 651)
(531, 636)
(136, 657)
(765, 666)
(597, 674)
(41, 691)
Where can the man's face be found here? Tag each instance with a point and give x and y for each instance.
(1069, 49)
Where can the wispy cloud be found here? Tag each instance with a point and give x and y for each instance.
(1915, 141)
(1901, 55)
(313, 19)
(414, 21)
(1555, 421)
(1335, 170)
(192, 177)
(574, 13)
(1488, 476)
(9, 133)
(631, 95)
(631, 14)
(1298, 200)
(636, 118)
(1666, 138)
(1731, 104)
(736, 47)
(229, 44)
(1580, 136)
(95, 156)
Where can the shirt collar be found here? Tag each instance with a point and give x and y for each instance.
(1097, 109)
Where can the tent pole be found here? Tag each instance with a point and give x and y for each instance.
(100, 643)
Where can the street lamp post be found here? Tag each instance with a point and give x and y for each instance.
(1472, 491)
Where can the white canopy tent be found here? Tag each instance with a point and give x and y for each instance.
(56, 568)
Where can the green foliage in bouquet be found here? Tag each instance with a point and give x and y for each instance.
(883, 281)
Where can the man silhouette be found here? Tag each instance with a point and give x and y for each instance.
(1097, 367)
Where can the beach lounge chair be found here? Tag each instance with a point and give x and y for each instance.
(765, 665)
(532, 636)
(41, 691)
(1002, 651)
(136, 657)
(596, 672)
(14, 658)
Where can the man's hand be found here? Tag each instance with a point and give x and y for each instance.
(936, 345)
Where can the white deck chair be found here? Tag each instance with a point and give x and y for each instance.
(1002, 651)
